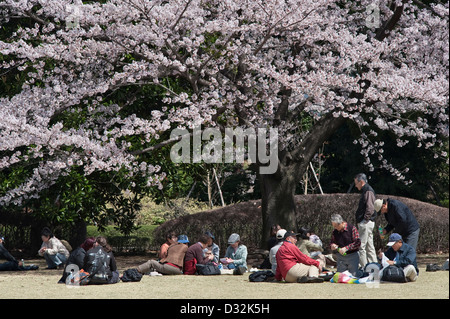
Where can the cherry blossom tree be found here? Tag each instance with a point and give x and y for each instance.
(303, 67)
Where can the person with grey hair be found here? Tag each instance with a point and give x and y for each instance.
(345, 240)
(365, 220)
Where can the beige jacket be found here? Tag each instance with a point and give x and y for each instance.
(54, 246)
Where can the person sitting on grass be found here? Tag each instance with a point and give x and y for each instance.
(100, 263)
(194, 255)
(212, 247)
(273, 251)
(77, 257)
(402, 255)
(171, 238)
(236, 255)
(346, 242)
(172, 264)
(12, 263)
(294, 266)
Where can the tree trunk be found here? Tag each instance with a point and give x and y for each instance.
(278, 202)
(278, 190)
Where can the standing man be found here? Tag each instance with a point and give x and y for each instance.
(365, 219)
(400, 218)
(345, 240)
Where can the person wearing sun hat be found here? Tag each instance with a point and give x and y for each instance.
(402, 255)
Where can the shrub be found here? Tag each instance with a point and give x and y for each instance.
(314, 212)
(156, 214)
(139, 241)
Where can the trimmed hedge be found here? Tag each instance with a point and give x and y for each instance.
(314, 212)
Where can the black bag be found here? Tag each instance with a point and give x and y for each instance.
(393, 273)
(131, 275)
(207, 269)
(261, 276)
(97, 266)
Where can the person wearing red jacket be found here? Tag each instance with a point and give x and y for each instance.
(293, 265)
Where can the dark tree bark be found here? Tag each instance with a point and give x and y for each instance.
(278, 190)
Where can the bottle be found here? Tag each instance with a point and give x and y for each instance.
(23, 262)
(380, 230)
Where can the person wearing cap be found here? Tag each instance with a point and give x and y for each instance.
(399, 218)
(345, 240)
(194, 255)
(293, 265)
(402, 255)
(172, 264)
(365, 220)
(236, 254)
(273, 251)
(212, 247)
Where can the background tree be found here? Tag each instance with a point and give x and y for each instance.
(302, 67)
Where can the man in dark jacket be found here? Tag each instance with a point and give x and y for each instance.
(400, 218)
(402, 255)
(11, 263)
(365, 220)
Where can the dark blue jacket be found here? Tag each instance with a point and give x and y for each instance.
(400, 217)
(6, 255)
(406, 256)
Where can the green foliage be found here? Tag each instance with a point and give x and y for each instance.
(139, 240)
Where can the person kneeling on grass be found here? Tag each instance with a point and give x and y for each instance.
(53, 250)
(293, 265)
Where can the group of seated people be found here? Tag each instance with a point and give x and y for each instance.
(177, 257)
(297, 257)
(294, 257)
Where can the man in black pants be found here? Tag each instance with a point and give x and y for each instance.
(11, 263)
